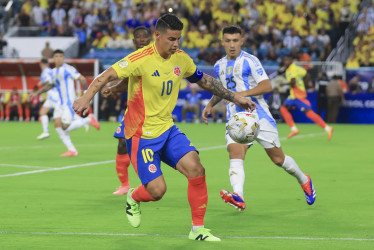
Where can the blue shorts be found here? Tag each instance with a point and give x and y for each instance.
(146, 154)
(120, 131)
(301, 104)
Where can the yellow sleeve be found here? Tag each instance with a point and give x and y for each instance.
(190, 65)
(126, 68)
(301, 71)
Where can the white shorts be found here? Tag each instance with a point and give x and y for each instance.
(267, 137)
(49, 104)
(65, 113)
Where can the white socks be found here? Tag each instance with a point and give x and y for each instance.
(44, 119)
(78, 123)
(293, 169)
(65, 138)
(194, 228)
(237, 176)
(327, 128)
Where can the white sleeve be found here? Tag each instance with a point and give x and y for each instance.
(73, 72)
(257, 71)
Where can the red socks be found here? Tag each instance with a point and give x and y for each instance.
(27, 112)
(122, 165)
(287, 116)
(316, 119)
(198, 199)
(140, 194)
(7, 111)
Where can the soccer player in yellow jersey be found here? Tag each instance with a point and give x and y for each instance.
(155, 73)
(298, 98)
(142, 37)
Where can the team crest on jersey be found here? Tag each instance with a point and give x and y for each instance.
(123, 64)
(177, 71)
(118, 130)
(229, 70)
(152, 168)
(260, 71)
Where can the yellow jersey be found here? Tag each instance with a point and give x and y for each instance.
(153, 89)
(297, 72)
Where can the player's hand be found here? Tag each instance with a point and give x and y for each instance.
(106, 91)
(245, 103)
(81, 105)
(207, 111)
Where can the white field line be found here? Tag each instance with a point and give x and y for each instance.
(111, 161)
(20, 166)
(185, 236)
(57, 169)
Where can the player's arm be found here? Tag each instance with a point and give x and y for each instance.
(262, 88)
(208, 108)
(215, 87)
(120, 86)
(83, 81)
(82, 104)
(47, 86)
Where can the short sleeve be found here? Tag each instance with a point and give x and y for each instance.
(73, 72)
(192, 73)
(255, 69)
(302, 71)
(125, 68)
(46, 77)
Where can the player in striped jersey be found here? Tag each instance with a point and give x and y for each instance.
(142, 37)
(65, 120)
(155, 74)
(52, 97)
(243, 73)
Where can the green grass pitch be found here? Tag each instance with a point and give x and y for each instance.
(68, 203)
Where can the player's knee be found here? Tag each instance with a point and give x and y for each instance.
(122, 146)
(195, 170)
(65, 126)
(157, 192)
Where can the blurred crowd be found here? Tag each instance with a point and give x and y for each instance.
(273, 28)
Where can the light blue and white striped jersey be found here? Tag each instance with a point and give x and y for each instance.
(64, 78)
(241, 74)
(46, 78)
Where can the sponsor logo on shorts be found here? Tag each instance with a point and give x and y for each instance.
(152, 168)
(177, 71)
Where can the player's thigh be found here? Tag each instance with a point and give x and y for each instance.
(122, 149)
(120, 135)
(57, 122)
(268, 136)
(179, 153)
(236, 150)
(67, 116)
(43, 111)
(303, 104)
(145, 157)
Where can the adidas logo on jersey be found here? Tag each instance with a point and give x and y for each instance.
(156, 73)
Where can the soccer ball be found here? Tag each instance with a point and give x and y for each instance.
(243, 127)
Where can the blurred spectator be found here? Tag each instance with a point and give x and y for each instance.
(13, 105)
(115, 41)
(127, 42)
(73, 11)
(65, 29)
(219, 110)
(371, 86)
(47, 51)
(37, 14)
(292, 40)
(275, 102)
(343, 84)
(101, 40)
(352, 61)
(23, 19)
(58, 15)
(193, 102)
(335, 97)
(321, 84)
(33, 104)
(206, 16)
(90, 20)
(3, 44)
(103, 19)
(354, 86)
(345, 17)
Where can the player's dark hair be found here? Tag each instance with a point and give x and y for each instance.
(139, 28)
(169, 21)
(232, 29)
(58, 51)
(44, 61)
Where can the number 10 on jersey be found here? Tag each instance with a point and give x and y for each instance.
(167, 87)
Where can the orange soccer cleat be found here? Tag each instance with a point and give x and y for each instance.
(329, 133)
(94, 123)
(70, 153)
(233, 199)
(122, 190)
(293, 133)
